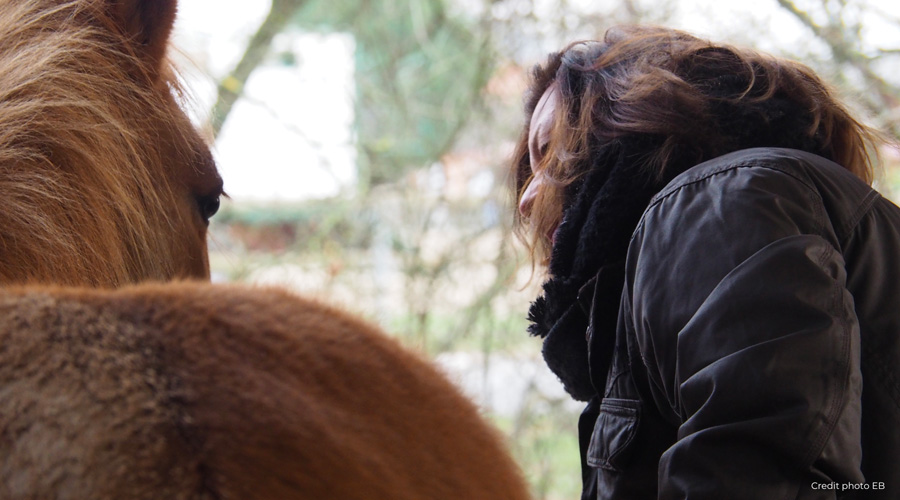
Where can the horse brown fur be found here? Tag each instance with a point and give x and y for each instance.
(183, 390)
(196, 391)
(100, 169)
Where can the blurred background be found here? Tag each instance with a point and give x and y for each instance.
(364, 144)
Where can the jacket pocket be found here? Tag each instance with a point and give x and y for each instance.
(614, 433)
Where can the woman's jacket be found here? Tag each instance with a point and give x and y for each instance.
(756, 349)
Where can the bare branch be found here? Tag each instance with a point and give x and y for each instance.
(231, 87)
(888, 95)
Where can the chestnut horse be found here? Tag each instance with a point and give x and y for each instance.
(180, 390)
(104, 180)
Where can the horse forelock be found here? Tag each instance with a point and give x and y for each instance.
(89, 151)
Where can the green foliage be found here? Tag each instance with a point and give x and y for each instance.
(419, 75)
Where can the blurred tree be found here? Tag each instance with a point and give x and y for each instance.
(419, 74)
(841, 25)
(231, 86)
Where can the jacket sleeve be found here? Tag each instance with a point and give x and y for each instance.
(740, 315)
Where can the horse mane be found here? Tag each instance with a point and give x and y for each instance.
(86, 199)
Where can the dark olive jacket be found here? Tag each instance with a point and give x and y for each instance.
(757, 350)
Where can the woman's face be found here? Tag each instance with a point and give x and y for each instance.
(538, 138)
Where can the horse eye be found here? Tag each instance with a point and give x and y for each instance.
(208, 205)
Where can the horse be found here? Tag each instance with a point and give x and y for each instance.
(104, 179)
(198, 391)
(113, 388)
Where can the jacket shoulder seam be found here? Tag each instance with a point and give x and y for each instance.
(864, 207)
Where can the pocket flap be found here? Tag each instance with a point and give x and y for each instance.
(614, 433)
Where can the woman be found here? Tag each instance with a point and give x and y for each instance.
(723, 280)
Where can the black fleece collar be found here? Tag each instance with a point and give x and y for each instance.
(595, 231)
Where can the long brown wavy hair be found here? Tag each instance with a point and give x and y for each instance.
(683, 100)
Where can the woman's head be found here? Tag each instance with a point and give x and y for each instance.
(673, 101)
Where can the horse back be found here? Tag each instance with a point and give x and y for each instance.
(188, 391)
